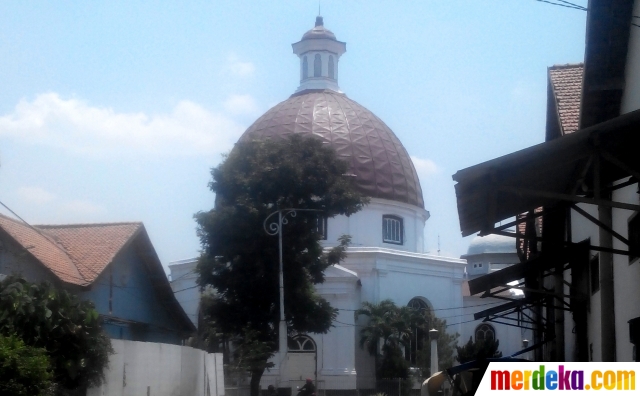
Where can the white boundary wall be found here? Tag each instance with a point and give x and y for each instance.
(153, 369)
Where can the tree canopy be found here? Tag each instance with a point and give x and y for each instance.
(65, 326)
(391, 329)
(478, 350)
(24, 370)
(240, 260)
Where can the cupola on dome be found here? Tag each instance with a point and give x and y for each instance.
(380, 163)
(319, 31)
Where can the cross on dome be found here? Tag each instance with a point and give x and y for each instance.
(319, 52)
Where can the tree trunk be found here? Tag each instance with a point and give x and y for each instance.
(254, 386)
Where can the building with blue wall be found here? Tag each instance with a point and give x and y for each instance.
(114, 265)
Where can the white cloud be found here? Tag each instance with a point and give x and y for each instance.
(35, 195)
(74, 125)
(424, 167)
(241, 105)
(239, 68)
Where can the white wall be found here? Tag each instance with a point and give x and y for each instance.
(142, 368)
(510, 337)
(631, 95)
(626, 275)
(365, 227)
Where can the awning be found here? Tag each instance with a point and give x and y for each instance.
(548, 173)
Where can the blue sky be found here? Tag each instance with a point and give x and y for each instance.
(116, 111)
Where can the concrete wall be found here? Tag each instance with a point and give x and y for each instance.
(141, 368)
(631, 95)
(365, 227)
(510, 337)
(626, 275)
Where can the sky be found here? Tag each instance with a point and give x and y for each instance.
(115, 111)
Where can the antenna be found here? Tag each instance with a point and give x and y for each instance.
(438, 244)
(319, 8)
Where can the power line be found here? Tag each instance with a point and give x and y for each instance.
(440, 309)
(567, 4)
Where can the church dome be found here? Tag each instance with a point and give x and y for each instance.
(380, 163)
(491, 244)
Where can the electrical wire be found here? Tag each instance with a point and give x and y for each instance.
(567, 5)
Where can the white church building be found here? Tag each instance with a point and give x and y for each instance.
(386, 259)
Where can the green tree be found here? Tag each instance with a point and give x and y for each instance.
(387, 331)
(478, 350)
(391, 328)
(65, 326)
(24, 370)
(240, 261)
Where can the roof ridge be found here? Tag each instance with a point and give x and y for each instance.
(566, 66)
(83, 225)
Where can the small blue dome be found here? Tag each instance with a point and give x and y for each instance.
(492, 244)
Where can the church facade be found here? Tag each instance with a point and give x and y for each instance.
(386, 259)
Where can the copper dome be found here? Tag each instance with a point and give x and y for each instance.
(380, 162)
(319, 31)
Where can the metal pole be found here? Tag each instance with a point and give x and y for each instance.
(273, 229)
(282, 337)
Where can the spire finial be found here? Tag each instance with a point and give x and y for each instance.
(319, 13)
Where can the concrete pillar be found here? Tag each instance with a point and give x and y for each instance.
(433, 336)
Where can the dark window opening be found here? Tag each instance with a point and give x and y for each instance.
(305, 68)
(317, 66)
(392, 230)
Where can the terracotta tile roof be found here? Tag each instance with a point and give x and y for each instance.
(92, 247)
(77, 253)
(566, 82)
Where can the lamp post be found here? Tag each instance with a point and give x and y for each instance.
(273, 228)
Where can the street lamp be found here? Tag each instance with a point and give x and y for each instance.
(273, 228)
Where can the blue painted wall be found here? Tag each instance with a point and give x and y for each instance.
(134, 299)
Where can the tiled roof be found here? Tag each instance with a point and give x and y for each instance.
(92, 247)
(566, 82)
(76, 254)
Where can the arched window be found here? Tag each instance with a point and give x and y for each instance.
(419, 337)
(331, 66)
(305, 68)
(419, 304)
(317, 66)
(392, 229)
(485, 332)
(301, 343)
